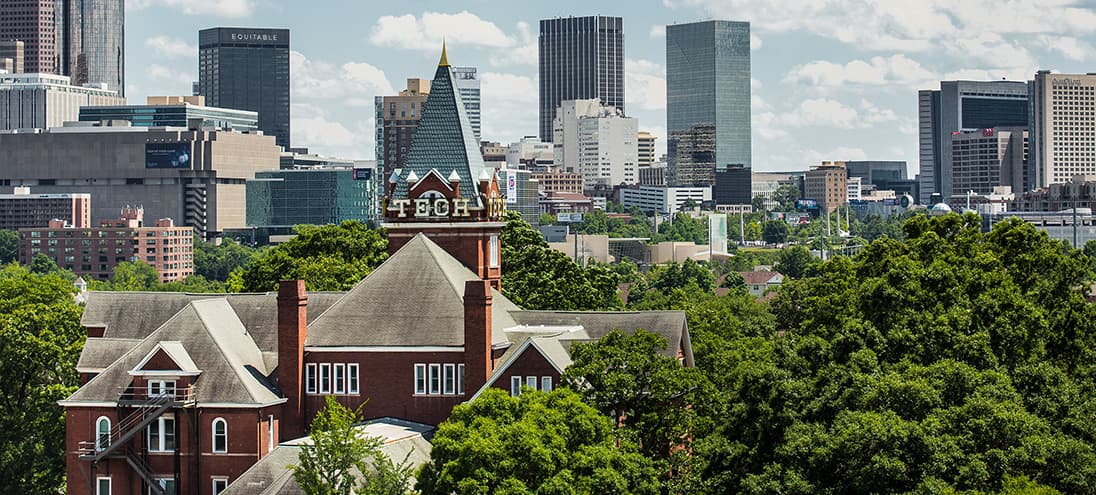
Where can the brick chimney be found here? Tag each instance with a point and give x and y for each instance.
(477, 334)
(292, 330)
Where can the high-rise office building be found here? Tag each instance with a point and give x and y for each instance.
(708, 102)
(46, 100)
(15, 51)
(95, 44)
(961, 106)
(827, 184)
(580, 58)
(36, 23)
(1063, 127)
(983, 160)
(468, 83)
(247, 69)
(397, 117)
(597, 141)
(646, 142)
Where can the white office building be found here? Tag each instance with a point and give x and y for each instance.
(47, 100)
(1063, 130)
(597, 141)
(663, 200)
(529, 152)
(854, 188)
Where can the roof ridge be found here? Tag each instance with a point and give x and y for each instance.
(233, 361)
(432, 247)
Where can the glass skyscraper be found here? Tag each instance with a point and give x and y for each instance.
(708, 103)
(581, 58)
(284, 198)
(247, 69)
(95, 43)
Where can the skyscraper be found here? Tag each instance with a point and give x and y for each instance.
(708, 101)
(1063, 127)
(95, 43)
(961, 106)
(247, 69)
(580, 58)
(397, 117)
(468, 84)
(36, 23)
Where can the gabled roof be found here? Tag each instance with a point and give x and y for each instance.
(99, 353)
(671, 325)
(762, 277)
(444, 139)
(175, 352)
(233, 371)
(414, 298)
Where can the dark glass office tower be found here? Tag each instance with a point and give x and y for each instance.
(708, 103)
(247, 69)
(95, 43)
(580, 58)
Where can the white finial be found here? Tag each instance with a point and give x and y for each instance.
(395, 177)
(412, 177)
(453, 177)
(485, 175)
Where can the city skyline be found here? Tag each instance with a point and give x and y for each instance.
(821, 89)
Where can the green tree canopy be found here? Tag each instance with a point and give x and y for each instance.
(538, 443)
(774, 231)
(215, 262)
(342, 460)
(793, 261)
(134, 275)
(785, 196)
(9, 246)
(40, 341)
(954, 362)
(327, 257)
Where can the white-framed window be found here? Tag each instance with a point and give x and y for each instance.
(167, 485)
(460, 379)
(161, 388)
(352, 378)
(220, 436)
(340, 378)
(449, 383)
(102, 485)
(531, 382)
(420, 379)
(325, 378)
(102, 433)
(435, 378)
(546, 383)
(494, 251)
(270, 433)
(219, 485)
(161, 434)
(310, 378)
(515, 386)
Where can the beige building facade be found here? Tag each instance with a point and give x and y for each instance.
(1063, 137)
(827, 184)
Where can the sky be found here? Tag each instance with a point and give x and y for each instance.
(831, 79)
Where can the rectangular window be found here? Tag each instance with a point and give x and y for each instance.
(219, 485)
(546, 383)
(102, 485)
(352, 378)
(531, 382)
(515, 386)
(310, 378)
(340, 378)
(161, 435)
(494, 251)
(460, 379)
(449, 385)
(435, 378)
(167, 485)
(325, 378)
(161, 388)
(270, 433)
(420, 379)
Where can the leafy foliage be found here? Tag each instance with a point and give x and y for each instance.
(40, 341)
(342, 461)
(794, 261)
(9, 246)
(535, 443)
(215, 262)
(327, 257)
(774, 231)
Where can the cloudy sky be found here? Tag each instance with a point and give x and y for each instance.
(832, 79)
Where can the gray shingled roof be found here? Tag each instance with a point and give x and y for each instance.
(415, 298)
(99, 353)
(444, 139)
(271, 475)
(669, 324)
(134, 315)
(232, 367)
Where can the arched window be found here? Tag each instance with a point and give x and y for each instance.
(220, 435)
(102, 433)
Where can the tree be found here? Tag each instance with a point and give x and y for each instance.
(342, 460)
(785, 196)
(793, 261)
(40, 341)
(134, 275)
(327, 257)
(535, 443)
(678, 275)
(215, 262)
(774, 231)
(689, 204)
(9, 246)
(535, 276)
(546, 219)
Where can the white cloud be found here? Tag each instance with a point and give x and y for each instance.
(1070, 47)
(322, 80)
(315, 128)
(825, 112)
(171, 47)
(658, 31)
(813, 157)
(216, 8)
(428, 31)
(896, 69)
(524, 52)
(161, 73)
(509, 103)
(766, 125)
(645, 84)
(755, 41)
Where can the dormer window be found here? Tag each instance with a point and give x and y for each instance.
(161, 388)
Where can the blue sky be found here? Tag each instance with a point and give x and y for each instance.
(832, 79)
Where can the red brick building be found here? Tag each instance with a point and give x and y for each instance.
(185, 391)
(94, 252)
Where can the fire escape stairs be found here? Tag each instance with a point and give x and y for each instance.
(144, 471)
(147, 412)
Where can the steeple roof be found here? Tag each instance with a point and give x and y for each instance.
(444, 139)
